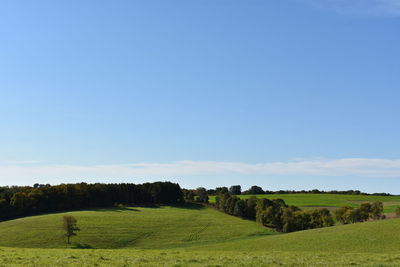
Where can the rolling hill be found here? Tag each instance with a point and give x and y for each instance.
(138, 227)
(192, 236)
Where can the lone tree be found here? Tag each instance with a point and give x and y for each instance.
(70, 227)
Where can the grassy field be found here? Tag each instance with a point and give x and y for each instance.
(309, 201)
(139, 227)
(134, 257)
(192, 236)
(368, 237)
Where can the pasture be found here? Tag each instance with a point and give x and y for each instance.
(135, 227)
(191, 236)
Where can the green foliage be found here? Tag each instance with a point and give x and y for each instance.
(24, 201)
(221, 190)
(70, 227)
(330, 201)
(376, 212)
(365, 211)
(269, 212)
(201, 195)
(235, 190)
(254, 190)
(189, 195)
(240, 208)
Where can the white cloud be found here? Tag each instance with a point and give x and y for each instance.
(360, 7)
(314, 167)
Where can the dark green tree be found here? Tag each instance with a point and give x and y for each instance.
(255, 190)
(70, 227)
(240, 208)
(201, 195)
(235, 190)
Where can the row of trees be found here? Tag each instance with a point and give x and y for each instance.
(274, 213)
(277, 214)
(257, 190)
(24, 201)
(363, 213)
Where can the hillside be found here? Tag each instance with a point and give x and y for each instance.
(138, 227)
(368, 237)
(363, 244)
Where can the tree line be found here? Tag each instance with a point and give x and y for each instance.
(20, 201)
(275, 213)
(363, 213)
(257, 190)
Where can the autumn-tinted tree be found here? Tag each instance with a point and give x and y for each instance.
(377, 210)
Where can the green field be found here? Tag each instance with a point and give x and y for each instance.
(139, 227)
(192, 236)
(309, 201)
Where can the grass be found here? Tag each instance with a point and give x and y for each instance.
(138, 227)
(192, 236)
(309, 201)
(368, 237)
(134, 257)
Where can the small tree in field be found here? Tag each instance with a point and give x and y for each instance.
(70, 227)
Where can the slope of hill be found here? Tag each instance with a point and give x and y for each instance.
(138, 227)
(368, 237)
(192, 236)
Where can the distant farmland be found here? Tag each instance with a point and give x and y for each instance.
(309, 201)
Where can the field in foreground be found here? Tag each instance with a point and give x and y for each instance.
(134, 257)
(309, 201)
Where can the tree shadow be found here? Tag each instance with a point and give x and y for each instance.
(117, 209)
(189, 206)
(81, 246)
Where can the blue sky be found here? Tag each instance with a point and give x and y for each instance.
(290, 94)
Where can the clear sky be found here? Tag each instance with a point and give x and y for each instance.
(288, 94)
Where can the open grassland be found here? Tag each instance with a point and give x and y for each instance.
(192, 236)
(309, 201)
(139, 227)
(368, 237)
(134, 257)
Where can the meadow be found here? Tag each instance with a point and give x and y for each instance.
(192, 235)
(199, 257)
(137, 227)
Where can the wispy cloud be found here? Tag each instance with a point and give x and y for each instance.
(360, 7)
(22, 161)
(314, 167)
